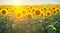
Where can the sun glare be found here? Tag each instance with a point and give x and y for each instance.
(16, 2)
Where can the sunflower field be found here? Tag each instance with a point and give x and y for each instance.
(30, 19)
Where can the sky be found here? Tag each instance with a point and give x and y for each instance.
(28, 2)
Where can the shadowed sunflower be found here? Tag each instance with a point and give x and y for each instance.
(48, 13)
(54, 12)
(58, 10)
(4, 12)
(29, 16)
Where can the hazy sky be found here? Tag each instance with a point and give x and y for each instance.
(28, 2)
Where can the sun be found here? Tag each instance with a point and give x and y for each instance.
(16, 2)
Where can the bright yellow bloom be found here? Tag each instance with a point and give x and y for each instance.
(37, 12)
(53, 7)
(42, 14)
(58, 10)
(4, 12)
(45, 8)
(19, 15)
(54, 12)
(48, 13)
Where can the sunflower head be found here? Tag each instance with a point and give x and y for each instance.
(45, 8)
(48, 13)
(52, 8)
(58, 10)
(33, 10)
(37, 12)
(4, 12)
(42, 14)
(19, 15)
(54, 12)
(29, 15)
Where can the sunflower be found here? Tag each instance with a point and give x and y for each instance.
(33, 10)
(48, 13)
(19, 15)
(45, 8)
(23, 12)
(58, 10)
(53, 8)
(54, 12)
(30, 7)
(29, 15)
(42, 14)
(4, 12)
(12, 10)
(37, 12)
